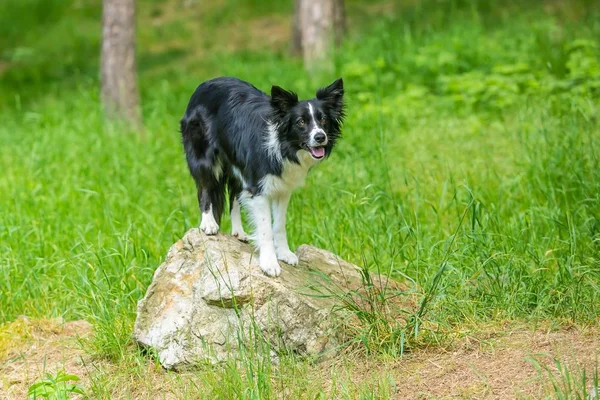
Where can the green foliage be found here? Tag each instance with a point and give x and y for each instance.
(55, 387)
(492, 88)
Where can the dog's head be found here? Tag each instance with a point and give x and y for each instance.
(311, 125)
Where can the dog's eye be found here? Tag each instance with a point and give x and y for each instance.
(323, 121)
(301, 122)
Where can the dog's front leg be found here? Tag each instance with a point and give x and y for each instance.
(260, 212)
(282, 249)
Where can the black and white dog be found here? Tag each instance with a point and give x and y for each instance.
(261, 149)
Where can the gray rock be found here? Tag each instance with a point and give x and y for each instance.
(209, 296)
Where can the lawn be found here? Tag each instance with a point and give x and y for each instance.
(469, 168)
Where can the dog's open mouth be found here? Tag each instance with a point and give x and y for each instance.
(317, 152)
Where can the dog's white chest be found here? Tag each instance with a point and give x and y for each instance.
(292, 176)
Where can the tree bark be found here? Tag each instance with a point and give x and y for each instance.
(296, 31)
(318, 26)
(120, 94)
(339, 21)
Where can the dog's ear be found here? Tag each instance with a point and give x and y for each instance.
(283, 99)
(333, 92)
(333, 97)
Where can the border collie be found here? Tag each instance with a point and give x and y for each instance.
(261, 148)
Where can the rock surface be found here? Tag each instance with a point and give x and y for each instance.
(209, 294)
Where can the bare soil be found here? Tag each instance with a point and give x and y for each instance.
(31, 348)
(498, 367)
(487, 365)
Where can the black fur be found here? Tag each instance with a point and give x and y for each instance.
(225, 126)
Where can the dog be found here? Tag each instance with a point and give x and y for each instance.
(260, 148)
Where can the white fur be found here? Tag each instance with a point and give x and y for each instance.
(271, 237)
(292, 176)
(272, 144)
(312, 114)
(260, 213)
(237, 229)
(239, 176)
(315, 130)
(208, 223)
(282, 249)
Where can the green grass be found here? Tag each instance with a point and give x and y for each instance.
(472, 111)
(568, 379)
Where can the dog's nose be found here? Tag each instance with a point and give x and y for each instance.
(320, 137)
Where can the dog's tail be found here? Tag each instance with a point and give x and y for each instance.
(193, 123)
(195, 138)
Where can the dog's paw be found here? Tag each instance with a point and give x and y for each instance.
(270, 266)
(209, 226)
(241, 236)
(287, 257)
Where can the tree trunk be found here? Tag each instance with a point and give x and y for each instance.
(318, 25)
(296, 31)
(120, 94)
(339, 21)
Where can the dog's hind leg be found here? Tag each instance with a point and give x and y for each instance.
(237, 228)
(205, 167)
(211, 197)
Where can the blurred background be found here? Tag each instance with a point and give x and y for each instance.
(475, 53)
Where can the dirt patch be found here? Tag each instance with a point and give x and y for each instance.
(486, 365)
(500, 367)
(31, 348)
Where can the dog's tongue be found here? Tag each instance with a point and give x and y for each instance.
(317, 152)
